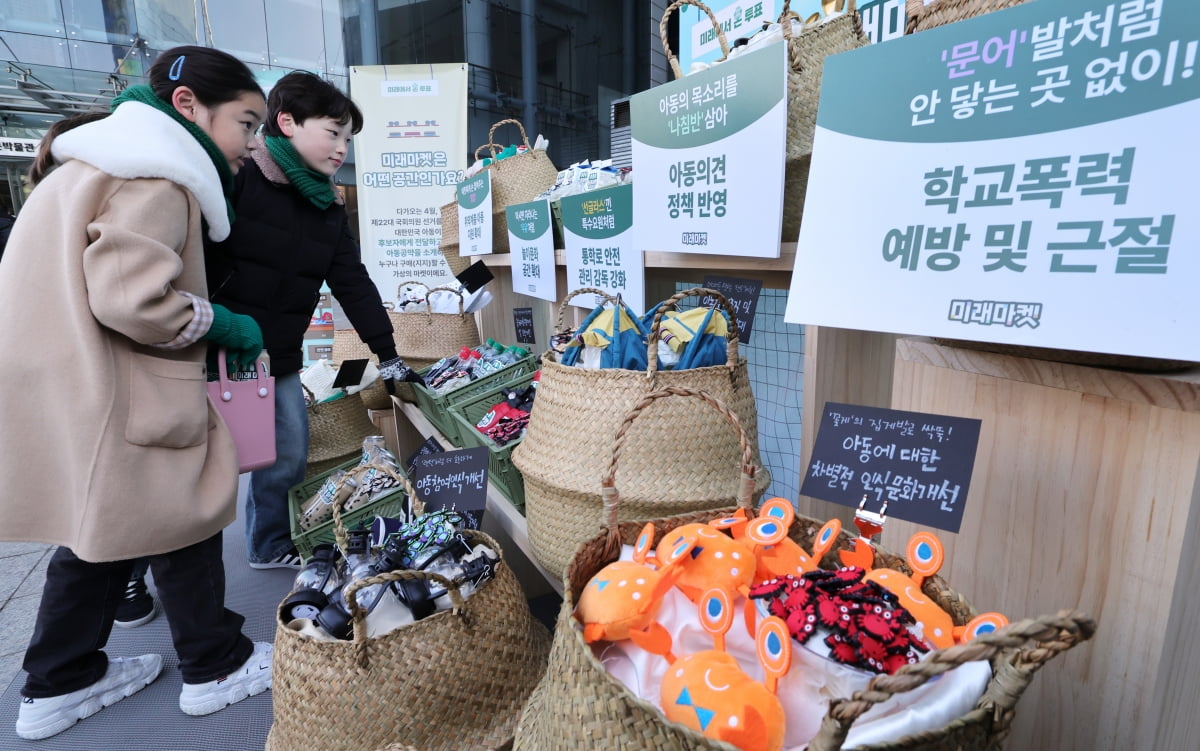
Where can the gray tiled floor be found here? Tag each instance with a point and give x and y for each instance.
(22, 573)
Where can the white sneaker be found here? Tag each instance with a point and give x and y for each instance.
(42, 718)
(253, 677)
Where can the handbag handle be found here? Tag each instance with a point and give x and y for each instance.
(358, 616)
(611, 498)
(429, 293)
(1025, 645)
(223, 376)
(491, 136)
(666, 42)
(731, 336)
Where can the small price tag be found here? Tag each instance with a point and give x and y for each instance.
(523, 321)
(743, 298)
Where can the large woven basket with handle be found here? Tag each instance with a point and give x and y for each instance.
(681, 460)
(424, 338)
(515, 179)
(579, 706)
(454, 681)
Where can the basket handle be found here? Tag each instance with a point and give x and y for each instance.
(731, 336)
(491, 146)
(562, 307)
(666, 43)
(359, 617)
(400, 287)
(492, 141)
(429, 296)
(608, 483)
(1027, 645)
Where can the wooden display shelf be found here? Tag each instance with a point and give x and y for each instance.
(1084, 495)
(499, 508)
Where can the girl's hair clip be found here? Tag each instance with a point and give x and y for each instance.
(176, 68)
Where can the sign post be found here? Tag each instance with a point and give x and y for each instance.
(1025, 177)
(531, 242)
(707, 147)
(597, 232)
(475, 215)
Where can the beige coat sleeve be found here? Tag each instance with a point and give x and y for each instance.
(133, 258)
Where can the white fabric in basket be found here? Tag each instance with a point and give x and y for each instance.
(807, 688)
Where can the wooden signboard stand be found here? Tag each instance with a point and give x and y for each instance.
(1084, 495)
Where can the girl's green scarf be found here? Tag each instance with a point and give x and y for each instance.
(314, 186)
(146, 95)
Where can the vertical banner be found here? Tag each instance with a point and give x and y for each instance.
(598, 235)
(410, 155)
(474, 197)
(532, 245)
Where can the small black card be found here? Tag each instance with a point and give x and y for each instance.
(456, 480)
(350, 373)
(475, 276)
(523, 321)
(918, 463)
(743, 298)
(430, 446)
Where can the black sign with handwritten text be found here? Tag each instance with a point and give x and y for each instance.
(918, 463)
(743, 298)
(453, 480)
(523, 321)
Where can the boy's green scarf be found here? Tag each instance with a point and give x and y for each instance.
(314, 186)
(146, 95)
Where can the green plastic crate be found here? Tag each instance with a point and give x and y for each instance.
(501, 470)
(436, 407)
(389, 503)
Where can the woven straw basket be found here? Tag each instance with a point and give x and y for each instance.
(348, 346)
(336, 429)
(515, 179)
(424, 338)
(680, 457)
(578, 706)
(455, 681)
(941, 12)
(806, 59)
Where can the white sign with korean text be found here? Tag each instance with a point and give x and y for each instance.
(19, 147)
(1024, 177)
(409, 156)
(708, 150)
(475, 215)
(597, 232)
(531, 243)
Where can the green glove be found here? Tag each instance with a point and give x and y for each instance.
(238, 334)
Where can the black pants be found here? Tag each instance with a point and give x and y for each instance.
(80, 600)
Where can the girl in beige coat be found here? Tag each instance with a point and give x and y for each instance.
(113, 450)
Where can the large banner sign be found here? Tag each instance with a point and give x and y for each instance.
(1024, 177)
(409, 157)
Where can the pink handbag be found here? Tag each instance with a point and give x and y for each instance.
(248, 408)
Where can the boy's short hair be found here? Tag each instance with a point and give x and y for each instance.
(303, 95)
